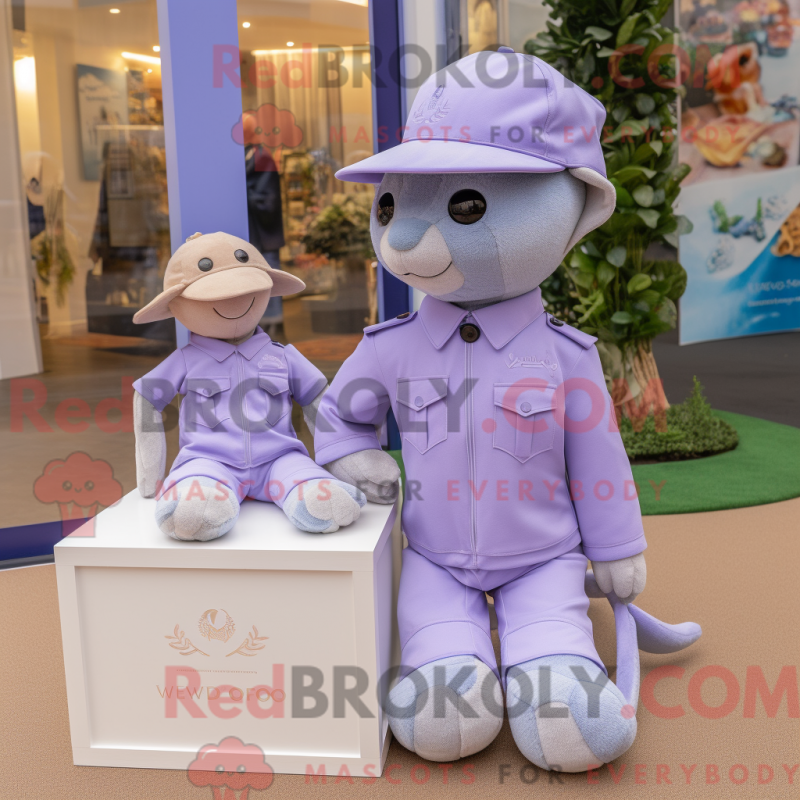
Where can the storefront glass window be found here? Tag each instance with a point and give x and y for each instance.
(87, 87)
(306, 112)
(482, 25)
(475, 25)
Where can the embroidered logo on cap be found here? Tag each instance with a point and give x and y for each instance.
(436, 109)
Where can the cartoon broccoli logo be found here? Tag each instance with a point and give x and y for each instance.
(268, 129)
(233, 766)
(81, 486)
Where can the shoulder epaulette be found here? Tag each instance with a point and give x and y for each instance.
(581, 338)
(390, 323)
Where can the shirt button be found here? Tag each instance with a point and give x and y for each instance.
(470, 333)
(525, 408)
(418, 401)
(555, 321)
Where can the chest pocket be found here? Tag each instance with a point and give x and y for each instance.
(523, 417)
(205, 400)
(422, 411)
(275, 382)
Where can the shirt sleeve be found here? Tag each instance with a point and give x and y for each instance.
(161, 385)
(305, 380)
(356, 402)
(601, 482)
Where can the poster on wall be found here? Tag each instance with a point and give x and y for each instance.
(102, 100)
(740, 134)
(742, 258)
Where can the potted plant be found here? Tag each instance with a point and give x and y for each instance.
(341, 230)
(54, 264)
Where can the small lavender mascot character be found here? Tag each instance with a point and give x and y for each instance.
(236, 434)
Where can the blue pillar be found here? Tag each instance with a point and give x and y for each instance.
(394, 296)
(199, 42)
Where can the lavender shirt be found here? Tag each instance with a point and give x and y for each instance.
(237, 399)
(510, 443)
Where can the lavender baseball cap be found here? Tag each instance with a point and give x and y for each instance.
(501, 112)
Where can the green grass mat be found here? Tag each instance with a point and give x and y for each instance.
(764, 468)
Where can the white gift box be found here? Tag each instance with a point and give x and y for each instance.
(172, 646)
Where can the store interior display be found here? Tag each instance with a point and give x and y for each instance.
(302, 136)
(130, 243)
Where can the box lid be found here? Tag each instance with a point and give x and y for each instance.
(126, 535)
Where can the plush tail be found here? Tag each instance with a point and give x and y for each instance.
(638, 630)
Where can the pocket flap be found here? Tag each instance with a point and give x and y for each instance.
(273, 382)
(524, 400)
(418, 393)
(208, 387)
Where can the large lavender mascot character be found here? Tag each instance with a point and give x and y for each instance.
(516, 472)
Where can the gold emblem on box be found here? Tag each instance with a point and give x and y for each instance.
(208, 628)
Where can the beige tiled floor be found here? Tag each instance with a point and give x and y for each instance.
(731, 571)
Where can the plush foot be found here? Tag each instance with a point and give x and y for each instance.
(447, 709)
(582, 720)
(197, 509)
(323, 506)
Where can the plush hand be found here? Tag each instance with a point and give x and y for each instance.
(324, 505)
(625, 577)
(151, 446)
(373, 471)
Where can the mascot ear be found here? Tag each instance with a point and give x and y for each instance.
(601, 199)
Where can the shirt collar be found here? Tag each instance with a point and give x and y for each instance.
(501, 322)
(220, 350)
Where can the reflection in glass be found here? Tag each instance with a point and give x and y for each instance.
(475, 25)
(88, 93)
(307, 111)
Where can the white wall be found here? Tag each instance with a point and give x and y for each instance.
(20, 352)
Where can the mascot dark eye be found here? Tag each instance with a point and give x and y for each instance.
(467, 206)
(385, 209)
(241, 255)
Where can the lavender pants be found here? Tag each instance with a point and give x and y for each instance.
(271, 482)
(541, 611)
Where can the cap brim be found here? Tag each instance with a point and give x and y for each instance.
(229, 283)
(158, 308)
(222, 285)
(437, 157)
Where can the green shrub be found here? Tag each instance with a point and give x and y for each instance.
(692, 432)
(612, 284)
